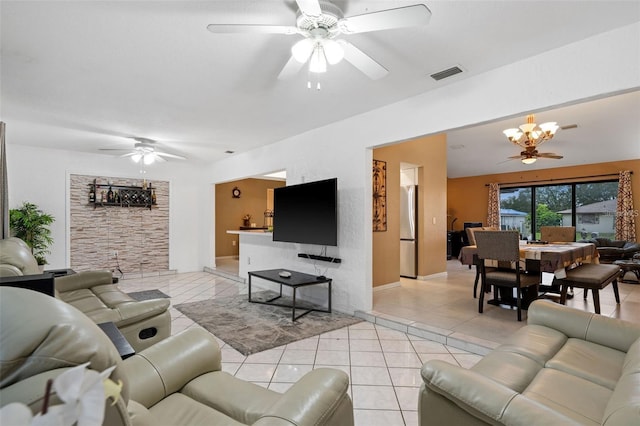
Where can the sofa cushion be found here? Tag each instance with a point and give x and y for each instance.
(240, 400)
(593, 362)
(632, 359)
(178, 409)
(577, 398)
(623, 407)
(535, 342)
(513, 370)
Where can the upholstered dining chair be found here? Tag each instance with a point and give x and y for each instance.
(558, 234)
(503, 248)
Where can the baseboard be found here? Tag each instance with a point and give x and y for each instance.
(386, 286)
(432, 276)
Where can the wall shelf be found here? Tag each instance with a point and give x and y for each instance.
(108, 195)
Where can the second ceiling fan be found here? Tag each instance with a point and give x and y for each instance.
(320, 23)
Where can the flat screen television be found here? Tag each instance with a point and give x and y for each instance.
(306, 213)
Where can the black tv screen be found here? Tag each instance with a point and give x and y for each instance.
(306, 213)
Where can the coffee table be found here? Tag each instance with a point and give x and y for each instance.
(295, 281)
(630, 265)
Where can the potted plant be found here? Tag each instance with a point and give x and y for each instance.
(31, 225)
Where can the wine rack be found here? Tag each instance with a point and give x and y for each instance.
(105, 194)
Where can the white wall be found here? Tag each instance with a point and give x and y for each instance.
(41, 176)
(575, 72)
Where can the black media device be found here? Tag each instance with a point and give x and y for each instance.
(306, 213)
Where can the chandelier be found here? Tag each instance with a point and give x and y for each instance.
(144, 154)
(530, 134)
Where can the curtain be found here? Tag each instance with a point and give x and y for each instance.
(4, 192)
(493, 211)
(625, 214)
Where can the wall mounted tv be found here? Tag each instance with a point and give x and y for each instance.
(306, 213)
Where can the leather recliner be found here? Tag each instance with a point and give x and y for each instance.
(176, 382)
(612, 250)
(143, 323)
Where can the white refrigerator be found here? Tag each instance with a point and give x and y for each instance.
(409, 231)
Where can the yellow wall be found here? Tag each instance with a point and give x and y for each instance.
(430, 155)
(229, 210)
(467, 197)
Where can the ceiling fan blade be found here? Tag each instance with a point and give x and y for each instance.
(290, 69)
(362, 61)
(165, 154)
(515, 157)
(129, 154)
(309, 7)
(568, 127)
(252, 29)
(550, 155)
(114, 149)
(402, 17)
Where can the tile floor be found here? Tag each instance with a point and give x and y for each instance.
(383, 364)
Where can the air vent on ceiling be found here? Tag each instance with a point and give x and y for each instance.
(446, 73)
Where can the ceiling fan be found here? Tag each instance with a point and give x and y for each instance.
(320, 23)
(531, 154)
(145, 150)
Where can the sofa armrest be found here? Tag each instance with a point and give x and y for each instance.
(319, 397)
(609, 332)
(133, 312)
(167, 366)
(86, 279)
(485, 399)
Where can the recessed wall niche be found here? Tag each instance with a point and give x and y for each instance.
(139, 235)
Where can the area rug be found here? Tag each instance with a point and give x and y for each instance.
(148, 294)
(253, 327)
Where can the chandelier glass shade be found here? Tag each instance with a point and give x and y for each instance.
(146, 156)
(318, 51)
(530, 134)
(529, 160)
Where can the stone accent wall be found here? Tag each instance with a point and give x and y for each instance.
(139, 235)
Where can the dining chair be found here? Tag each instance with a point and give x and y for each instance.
(503, 248)
(558, 234)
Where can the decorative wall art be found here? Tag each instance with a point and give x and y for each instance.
(379, 196)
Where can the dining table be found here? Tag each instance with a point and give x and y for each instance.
(553, 258)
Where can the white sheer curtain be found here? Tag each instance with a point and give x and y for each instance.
(493, 210)
(625, 214)
(4, 191)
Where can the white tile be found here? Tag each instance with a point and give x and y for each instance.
(231, 355)
(467, 360)
(231, 367)
(341, 333)
(363, 334)
(405, 377)
(309, 344)
(333, 344)
(402, 359)
(367, 359)
(374, 398)
(290, 373)
(427, 346)
(364, 325)
(332, 358)
(410, 418)
(397, 346)
(388, 334)
(370, 376)
(298, 356)
(377, 418)
(443, 357)
(256, 372)
(271, 356)
(365, 345)
(408, 398)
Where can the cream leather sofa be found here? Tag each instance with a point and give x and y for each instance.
(176, 382)
(566, 367)
(143, 323)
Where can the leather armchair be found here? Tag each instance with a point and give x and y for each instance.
(175, 382)
(612, 250)
(93, 293)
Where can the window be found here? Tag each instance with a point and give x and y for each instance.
(589, 206)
